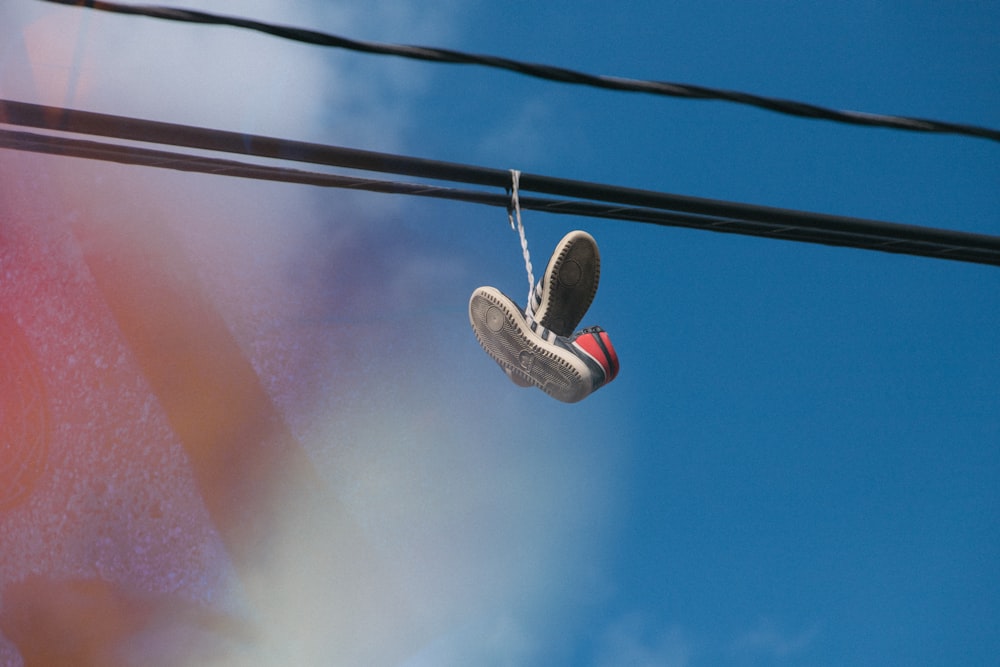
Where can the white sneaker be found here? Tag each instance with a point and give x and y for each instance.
(565, 291)
(566, 368)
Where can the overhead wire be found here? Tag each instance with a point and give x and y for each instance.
(584, 198)
(547, 72)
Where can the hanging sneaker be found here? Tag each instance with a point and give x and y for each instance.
(566, 368)
(565, 291)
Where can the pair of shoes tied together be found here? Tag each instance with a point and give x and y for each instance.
(538, 346)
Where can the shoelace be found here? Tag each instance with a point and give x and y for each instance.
(514, 211)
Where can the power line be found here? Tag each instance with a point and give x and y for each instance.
(547, 72)
(584, 199)
(959, 246)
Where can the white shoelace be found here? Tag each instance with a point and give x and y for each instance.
(514, 212)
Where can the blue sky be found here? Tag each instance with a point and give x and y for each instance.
(807, 436)
(797, 464)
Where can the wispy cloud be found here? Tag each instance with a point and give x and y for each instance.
(768, 638)
(492, 641)
(637, 641)
(521, 134)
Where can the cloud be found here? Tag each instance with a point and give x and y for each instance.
(349, 323)
(767, 638)
(162, 70)
(225, 77)
(491, 641)
(635, 641)
(523, 134)
(239, 242)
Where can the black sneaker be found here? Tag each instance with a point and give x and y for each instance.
(566, 368)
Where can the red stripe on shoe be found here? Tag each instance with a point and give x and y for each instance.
(597, 346)
(612, 355)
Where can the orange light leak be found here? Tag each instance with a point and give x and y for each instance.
(156, 506)
(162, 441)
(24, 418)
(91, 484)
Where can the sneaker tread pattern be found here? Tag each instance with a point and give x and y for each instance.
(523, 353)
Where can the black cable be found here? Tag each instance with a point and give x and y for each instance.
(547, 72)
(122, 127)
(641, 206)
(960, 246)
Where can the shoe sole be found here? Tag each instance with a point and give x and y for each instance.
(502, 331)
(574, 276)
(570, 285)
